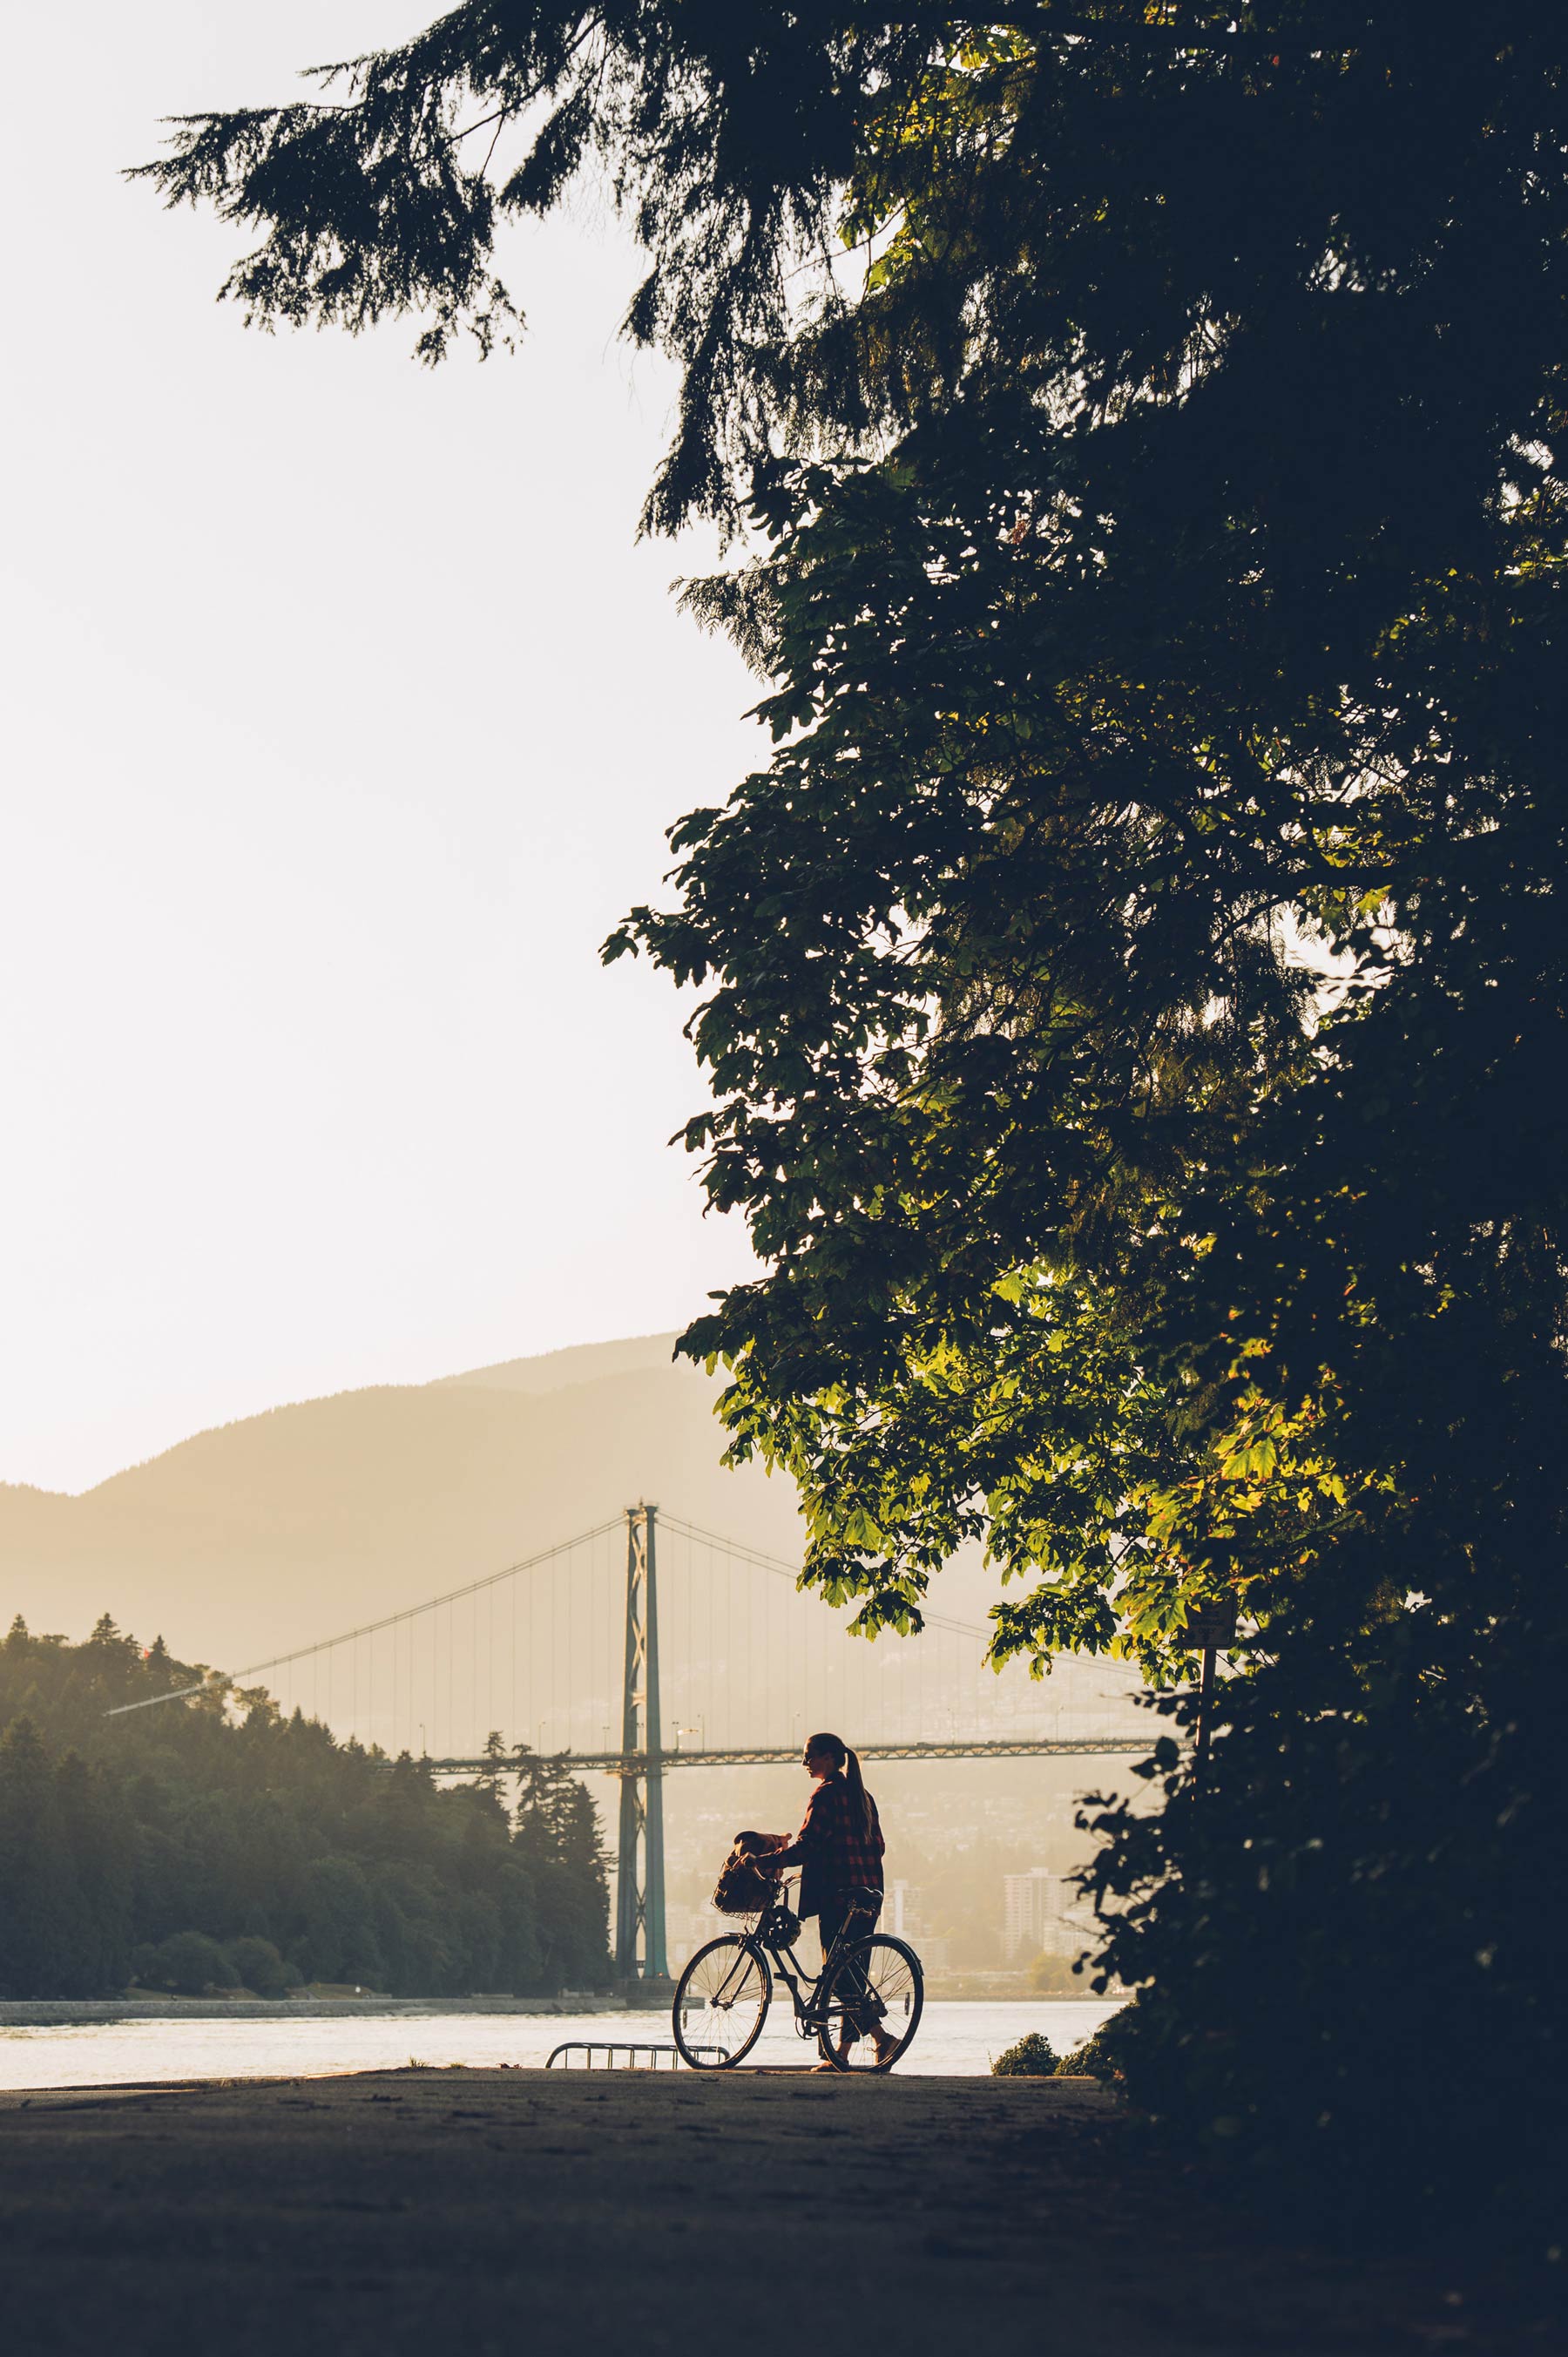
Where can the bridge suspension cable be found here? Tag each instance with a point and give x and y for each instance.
(372, 1628)
(533, 1652)
(791, 1572)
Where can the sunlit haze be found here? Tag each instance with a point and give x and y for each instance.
(344, 717)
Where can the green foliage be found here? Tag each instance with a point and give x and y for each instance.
(1033, 2057)
(557, 1838)
(720, 131)
(261, 1852)
(1359, 1900)
(1160, 534)
(1104, 2055)
(259, 1967)
(63, 1913)
(1204, 638)
(189, 1964)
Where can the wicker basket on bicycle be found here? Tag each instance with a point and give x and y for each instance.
(743, 1888)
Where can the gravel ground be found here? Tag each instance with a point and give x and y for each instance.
(509, 2211)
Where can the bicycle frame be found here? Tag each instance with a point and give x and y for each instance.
(785, 1964)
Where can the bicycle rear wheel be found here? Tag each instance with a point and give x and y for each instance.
(872, 2009)
(721, 2004)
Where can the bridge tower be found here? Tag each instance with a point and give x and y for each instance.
(639, 1878)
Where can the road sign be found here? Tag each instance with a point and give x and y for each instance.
(1212, 1622)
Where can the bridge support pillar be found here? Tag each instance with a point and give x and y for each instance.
(639, 1861)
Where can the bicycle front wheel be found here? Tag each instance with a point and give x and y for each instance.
(872, 2010)
(721, 2004)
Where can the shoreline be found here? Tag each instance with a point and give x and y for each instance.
(85, 2013)
(209, 2039)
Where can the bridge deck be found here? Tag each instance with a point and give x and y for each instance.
(1130, 1746)
(406, 2214)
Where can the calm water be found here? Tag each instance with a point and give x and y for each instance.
(955, 2039)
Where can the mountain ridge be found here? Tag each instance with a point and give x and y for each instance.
(264, 1533)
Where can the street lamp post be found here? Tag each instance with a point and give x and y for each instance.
(1209, 1625)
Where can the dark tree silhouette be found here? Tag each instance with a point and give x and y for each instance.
(198, 1850)
(1133, 993)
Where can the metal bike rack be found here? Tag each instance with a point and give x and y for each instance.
(612, 2047)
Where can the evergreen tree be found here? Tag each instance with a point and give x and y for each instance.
(42, 1929)
(263, 1844)
(97, 1834)
(558, 1839)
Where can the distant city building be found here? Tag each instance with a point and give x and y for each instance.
(897, 1910)
(1041, 1913)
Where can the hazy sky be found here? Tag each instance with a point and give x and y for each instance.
(343, 718)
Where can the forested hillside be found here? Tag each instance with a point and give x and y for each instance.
(192, 1849)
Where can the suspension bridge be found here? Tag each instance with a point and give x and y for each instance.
(561, 1653)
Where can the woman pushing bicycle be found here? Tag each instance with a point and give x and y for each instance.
(864, 2008)
(839, 1849)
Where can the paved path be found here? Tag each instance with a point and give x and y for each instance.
(538, 2214)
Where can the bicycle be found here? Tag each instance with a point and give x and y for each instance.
(867, 1984)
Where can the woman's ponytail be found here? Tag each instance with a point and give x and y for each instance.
(852, 1777)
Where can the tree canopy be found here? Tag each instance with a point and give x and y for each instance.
(1104, 194)
(1149, 415)
(1134, 991)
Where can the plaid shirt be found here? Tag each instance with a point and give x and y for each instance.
(837, 1851)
